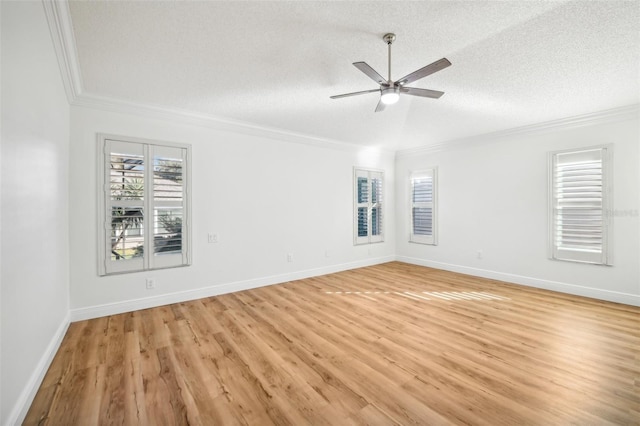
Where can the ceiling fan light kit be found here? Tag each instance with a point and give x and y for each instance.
(390, 90)
(390, 95)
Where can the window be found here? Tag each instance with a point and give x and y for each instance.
(143, 205)
(423, 207)
(579, 201)
(368, 220)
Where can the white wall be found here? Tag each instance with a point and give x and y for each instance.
(493, 198)
(264, 198)
(35, 259)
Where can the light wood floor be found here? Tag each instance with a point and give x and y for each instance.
(354, 348)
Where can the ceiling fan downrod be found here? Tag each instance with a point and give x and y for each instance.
(389, 38)
(391, 93)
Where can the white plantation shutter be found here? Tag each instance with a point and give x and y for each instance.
(145, 207)
(125, 175)
(368, 206)
(423, 206)
(168, 202)
(375, 228)
(579, 226)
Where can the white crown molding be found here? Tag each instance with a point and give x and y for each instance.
(205, 120)
(607, 116)
(64, 43)
(61, 29)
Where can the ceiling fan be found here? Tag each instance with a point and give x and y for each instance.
(390, 90)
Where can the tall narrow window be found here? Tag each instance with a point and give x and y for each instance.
(423, 206)
(579, 201)
(368, 219)
(144, 220)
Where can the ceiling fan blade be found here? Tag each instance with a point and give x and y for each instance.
(354, 93)
(373, 74)
(381, 106)
(425, 93)
(425, 71)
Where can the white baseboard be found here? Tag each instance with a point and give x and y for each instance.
(20, 409)
(97, 311)
(595, 293)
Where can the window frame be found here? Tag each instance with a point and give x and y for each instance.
(146, 262)
(424, 239)
(370, 174)
(575, 255)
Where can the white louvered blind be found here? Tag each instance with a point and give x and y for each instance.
(168, 201)
(368, 206)
(579, 203)
(145, 208)
(423, 202)
(125, 210)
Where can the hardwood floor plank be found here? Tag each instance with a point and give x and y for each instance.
(242, 384)
(391, 344)
(284, 336)
(278, 373)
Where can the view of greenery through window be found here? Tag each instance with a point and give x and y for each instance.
(127, 187)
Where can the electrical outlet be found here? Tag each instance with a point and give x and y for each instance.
(327, 253)
(289, 257)
(212, 238)
(151, 283)
(479, 254)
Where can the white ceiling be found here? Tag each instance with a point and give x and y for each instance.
(275, 63)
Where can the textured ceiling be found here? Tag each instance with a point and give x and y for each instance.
(275, 64)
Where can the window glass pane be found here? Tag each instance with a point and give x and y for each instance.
(126, 177)
(368, 199)
(579, 199)
(376, 221)
(362, 221)
(423, 190)
(127, 236)
(168, 196)
(578, 194)
(423, 221)
(423, 206)
(167, 179)
(363, 190)
(376, 187)
(167, 231)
